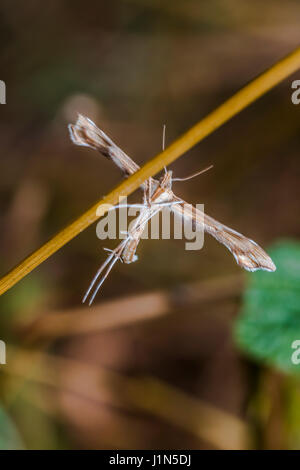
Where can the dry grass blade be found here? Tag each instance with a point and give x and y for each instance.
(219, 428)
(125, 311)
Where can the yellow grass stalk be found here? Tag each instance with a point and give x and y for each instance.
(198, 132)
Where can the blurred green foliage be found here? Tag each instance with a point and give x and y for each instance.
(270, 318)
(9, 437)
(27, 297)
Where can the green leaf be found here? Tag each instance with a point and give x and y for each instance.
(9, 436)
(270, 317)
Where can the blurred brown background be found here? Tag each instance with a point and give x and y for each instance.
(152, 364)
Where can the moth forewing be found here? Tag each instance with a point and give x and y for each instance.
(247, 253)
(85, 133)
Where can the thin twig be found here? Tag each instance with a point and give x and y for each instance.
(202, 129)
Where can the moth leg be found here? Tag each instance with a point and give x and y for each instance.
(111, 260)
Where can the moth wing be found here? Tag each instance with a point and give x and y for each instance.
(248, 254)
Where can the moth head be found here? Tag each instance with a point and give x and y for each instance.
(166, 180)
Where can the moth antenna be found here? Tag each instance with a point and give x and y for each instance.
(164, 143)
(194, 174)
(164, 137)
